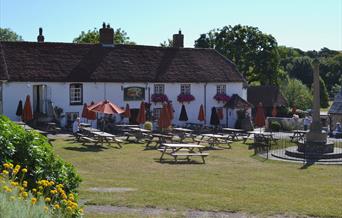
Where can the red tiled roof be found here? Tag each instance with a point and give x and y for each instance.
(70, 62)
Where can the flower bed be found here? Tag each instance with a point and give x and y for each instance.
(159, 98)
(221, 97)
(185, 98)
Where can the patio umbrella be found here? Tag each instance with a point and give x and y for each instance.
(214, 119)
(183, 115)
(170, 109)
(27, 113)
(85, 111)
(201, 115)
(164, 119)
(141, 118)
(274, 111)
(260, 116)
(220, 113)
(127, 112)
(19, 112)
(106, 107)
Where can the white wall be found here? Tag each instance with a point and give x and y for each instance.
(59, 94)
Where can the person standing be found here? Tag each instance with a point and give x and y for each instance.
(76, 126)
(306, 122)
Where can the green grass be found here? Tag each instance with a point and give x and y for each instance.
(231, 180)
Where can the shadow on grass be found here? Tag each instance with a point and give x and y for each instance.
(308, 164)
(179, 162)
(87, 148)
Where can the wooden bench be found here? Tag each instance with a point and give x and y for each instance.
(78, 136)
(187, 155)
(89, 140)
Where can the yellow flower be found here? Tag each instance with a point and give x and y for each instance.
(6, 165)
(81, 210)
(24, 194)
(24, 170)
(69, 209)
(40, 188)
(46, 208)
(17, 167)
(10, 165)
(56, 206)
(33, 200)
(64, 201)
(21, 189)
(51, 183)
(47, 199)
(39, 193)
(15, 172)
(63, 195)
(14, 183)
(5, 172)
(25, 184)
(34, 190)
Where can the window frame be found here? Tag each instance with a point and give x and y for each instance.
(185, 89)
(159, 89)
(72, 92)
(221, 89)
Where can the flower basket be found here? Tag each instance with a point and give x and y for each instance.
(221, 97)
(185, 98)
(159, 98)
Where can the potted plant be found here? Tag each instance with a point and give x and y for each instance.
(185, 98)
(159, 98)
(221, 97)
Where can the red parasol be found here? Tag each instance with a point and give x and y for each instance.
(274, 111)
(85, 111)
(106, 107)
(260, 116)
(141, 118)
(91, 115)
(201, 115)
(127, 112)
(170, 109)
(27, 113)
(164, 119)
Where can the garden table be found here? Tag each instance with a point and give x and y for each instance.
(234, 133)
(214, 140)
(183, 150)
(183, 133)
(161, 138)
(138, 133)
(106, 137)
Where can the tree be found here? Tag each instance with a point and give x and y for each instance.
(168, 43)
(93, 36)
(301, 69)
(254, 53)
(296, 94)
(324, 97)
(7, 34)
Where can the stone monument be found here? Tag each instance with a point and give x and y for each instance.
(316, 139)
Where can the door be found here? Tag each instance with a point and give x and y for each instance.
(40, 99)
(133, 118)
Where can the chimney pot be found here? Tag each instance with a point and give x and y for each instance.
(40, 37)
(103, 25)
(178, 40)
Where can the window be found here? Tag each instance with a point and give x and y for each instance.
(221, 89)
(156, 113)
(159, 88)
(185, 89)
(76, 94)
(1, 110)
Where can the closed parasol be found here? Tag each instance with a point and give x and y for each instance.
(183, 115)
(164, 120)
(260, 116)
(214, 119)
(27, 113)
(201, 115)
(141, 118)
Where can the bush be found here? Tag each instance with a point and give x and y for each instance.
(33, 151)
(275, 126)
(148, 125)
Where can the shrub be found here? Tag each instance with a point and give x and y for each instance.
(275, 126)
(33, 151)
(148, 125)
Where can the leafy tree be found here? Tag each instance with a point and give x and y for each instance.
(297, 94)
(324, 97)
(7, 34)
(93, 36)
(301, 68)
(168, 43)
(254, 53)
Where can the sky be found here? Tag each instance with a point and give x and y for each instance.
(304, 24)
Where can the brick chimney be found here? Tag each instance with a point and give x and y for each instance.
(106, 35)
(178, 40)
(40, 37)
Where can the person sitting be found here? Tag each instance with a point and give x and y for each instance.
(306, 122)
(76, 126)
(338, 130)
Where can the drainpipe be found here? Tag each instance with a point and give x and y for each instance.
(205, 103)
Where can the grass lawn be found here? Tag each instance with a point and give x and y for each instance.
(231, 180)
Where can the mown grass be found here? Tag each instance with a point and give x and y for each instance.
(231, 180)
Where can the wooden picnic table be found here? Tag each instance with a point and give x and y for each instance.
(161, 138)
(138, 133)
(215, 140)
(234, 132)
(298, 135)
(90, 129)
(183, 133)
(183, 150)
(263, 137)
(106, 137)
(85, 124)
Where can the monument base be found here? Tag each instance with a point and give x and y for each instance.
(315, 148)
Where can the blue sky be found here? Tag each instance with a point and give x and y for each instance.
(304, 24)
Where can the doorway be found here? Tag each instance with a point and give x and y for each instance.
(133, 118)
(39, 99)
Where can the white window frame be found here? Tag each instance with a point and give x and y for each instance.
(76, 94)
(221, 89)
(159, 88)
(185, 89)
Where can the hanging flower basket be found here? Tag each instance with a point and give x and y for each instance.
(159, 98)
(221, 97)
(185, 98)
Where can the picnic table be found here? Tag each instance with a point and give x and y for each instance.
(298, 135)
(138, 133)
(234, 133)
(161, 138)
(263, 137)
(102, 137)
(90, 129)
(183, 150)
(215, 140)
(183, 133)
(85, 124)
